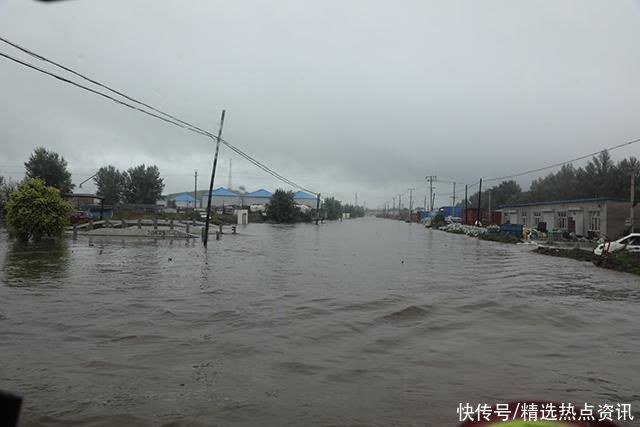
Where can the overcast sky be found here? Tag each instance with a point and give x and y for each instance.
(339, 96)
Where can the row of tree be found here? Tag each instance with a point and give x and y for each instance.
(334, 209)
(601, 177)
(282, 208)
(140, 184)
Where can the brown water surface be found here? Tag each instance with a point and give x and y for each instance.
(362, 322)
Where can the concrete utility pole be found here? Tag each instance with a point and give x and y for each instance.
(205, 238)
(317, 208)
(195, 195)
(633, 200)
(430, 178)
(479, 216)
(454, 199)
(356, 199)
(399, 204)
(411, 204)
(393, 207)
(466, 199)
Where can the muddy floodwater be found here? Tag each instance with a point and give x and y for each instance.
(361, 322)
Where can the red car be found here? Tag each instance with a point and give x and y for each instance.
(80, 216)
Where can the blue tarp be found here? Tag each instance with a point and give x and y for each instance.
(259, 193)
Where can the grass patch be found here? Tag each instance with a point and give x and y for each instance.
(499, 237)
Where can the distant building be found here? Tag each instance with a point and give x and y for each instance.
(184, 200)
(302, 198)
(258, 197)
(599, 217)
(222, 196)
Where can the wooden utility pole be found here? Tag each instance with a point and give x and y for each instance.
(195, 195)
(205, 237)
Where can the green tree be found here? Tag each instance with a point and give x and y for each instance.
(51, 168)
(282, 208)
(333, 208)
(353, 210)
(500, 194)
(143, 184)
(36, 210)
(110, 183)
(6, 188)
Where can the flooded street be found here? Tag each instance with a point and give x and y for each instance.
(362, 322)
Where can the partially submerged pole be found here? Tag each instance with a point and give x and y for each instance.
(479, 216)
(205, 236)
(317, 208)
(633, 200)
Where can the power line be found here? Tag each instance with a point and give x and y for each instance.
(615, 147)
(168, 117)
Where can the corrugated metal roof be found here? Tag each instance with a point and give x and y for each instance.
(184, 198)
(303, 195)
(259, 193)
(557, 202)
(223, 192)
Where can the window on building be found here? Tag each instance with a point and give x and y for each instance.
(594, 223)
(562, 220)
(523, 218)
(537, 218)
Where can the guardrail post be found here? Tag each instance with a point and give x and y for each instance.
(91, 224)
(140, 223)
(171, 224)
(75, 231)
(217, 235)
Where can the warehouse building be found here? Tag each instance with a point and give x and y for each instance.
(221, 197)
(302, 198)
(258, 197)
(184, 200)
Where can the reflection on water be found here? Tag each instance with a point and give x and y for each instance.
(362, 322)
(36, 264)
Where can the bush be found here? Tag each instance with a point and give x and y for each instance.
(35, 211)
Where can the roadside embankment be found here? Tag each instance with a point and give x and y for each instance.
(620, 261)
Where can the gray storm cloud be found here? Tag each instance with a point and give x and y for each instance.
(341, 97)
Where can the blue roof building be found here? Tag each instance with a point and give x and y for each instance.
(184, 200)
(260, 193)
(222, 196)
(302, 198)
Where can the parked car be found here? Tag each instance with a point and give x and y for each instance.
(630, 243)
(80, 216)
